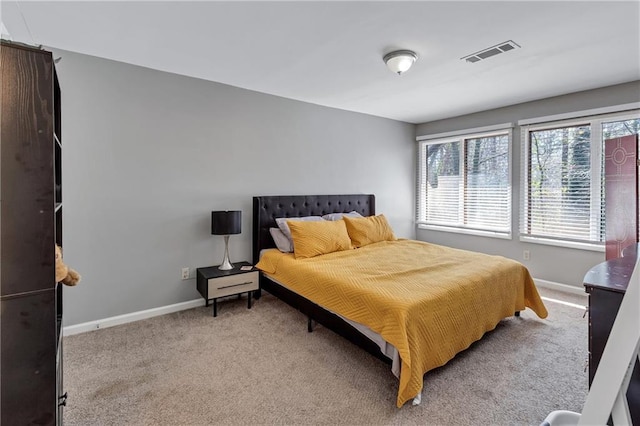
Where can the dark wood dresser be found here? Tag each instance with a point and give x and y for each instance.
(606, 284)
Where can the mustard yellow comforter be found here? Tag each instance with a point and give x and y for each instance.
(429, 301)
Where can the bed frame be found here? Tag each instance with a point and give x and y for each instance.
(265, 210)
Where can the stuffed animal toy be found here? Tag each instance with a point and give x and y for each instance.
(64, 274)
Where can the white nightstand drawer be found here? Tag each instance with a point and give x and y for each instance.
(233, 284)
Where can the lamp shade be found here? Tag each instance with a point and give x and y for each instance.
(400, 60)
(226, 222)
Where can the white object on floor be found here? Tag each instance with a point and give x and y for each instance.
(561, 418)
(417, 400)
(608, 393)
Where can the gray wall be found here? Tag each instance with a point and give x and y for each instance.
(147, 155)
(557, 264)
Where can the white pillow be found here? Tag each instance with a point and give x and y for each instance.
(338, 216)
(282, 242)
(282, 223)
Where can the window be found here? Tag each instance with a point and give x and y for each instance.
(563, 179)
(464, 184)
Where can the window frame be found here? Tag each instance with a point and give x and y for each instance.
(462, 138)
(596, 145)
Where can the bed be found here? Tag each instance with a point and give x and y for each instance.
(427, 302)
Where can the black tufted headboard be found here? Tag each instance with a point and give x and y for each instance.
(267, 208)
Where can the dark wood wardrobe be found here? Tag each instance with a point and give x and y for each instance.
(30, 226)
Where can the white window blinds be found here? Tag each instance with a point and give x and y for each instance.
(488, 188)
(563, 177)
(558, 184)
(465, 183)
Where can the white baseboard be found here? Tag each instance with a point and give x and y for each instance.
(133, 316)
(560, 287)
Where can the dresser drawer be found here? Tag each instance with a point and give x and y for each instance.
(233, 284)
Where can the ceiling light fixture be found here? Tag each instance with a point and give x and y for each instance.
(400, 61)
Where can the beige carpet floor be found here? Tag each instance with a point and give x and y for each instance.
(260, 366)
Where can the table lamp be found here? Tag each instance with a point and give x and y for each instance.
(226, 223)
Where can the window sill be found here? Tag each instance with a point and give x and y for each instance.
(567, 244)
(480, 233)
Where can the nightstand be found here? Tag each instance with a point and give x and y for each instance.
(214, 283)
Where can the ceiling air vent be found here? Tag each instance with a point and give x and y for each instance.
(491, 51)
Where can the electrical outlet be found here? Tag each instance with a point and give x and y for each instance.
(185, 273)
(526, 255)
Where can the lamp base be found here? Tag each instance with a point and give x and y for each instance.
(226, 264)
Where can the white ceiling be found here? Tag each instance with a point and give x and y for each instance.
(330, 53)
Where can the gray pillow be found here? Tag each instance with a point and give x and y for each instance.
(281, 240)
(338, 216)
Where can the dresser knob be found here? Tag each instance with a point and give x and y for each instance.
(63, 400)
